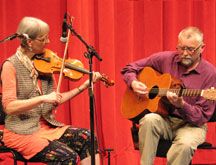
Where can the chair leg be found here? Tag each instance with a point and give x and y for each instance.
(14, 157)
(109, 150)
(15, 161)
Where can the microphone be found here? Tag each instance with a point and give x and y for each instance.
(11, 37)
(64, 29)
(15, 35)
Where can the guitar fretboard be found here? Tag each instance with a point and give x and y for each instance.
(181, 92)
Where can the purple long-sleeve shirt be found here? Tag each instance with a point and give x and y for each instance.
(196, 110)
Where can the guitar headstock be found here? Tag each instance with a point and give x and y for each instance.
(209, 94)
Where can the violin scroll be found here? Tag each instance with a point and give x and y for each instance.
(106, 81)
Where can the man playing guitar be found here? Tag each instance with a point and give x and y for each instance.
(185, 125)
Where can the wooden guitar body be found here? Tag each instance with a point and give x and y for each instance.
(133, 105)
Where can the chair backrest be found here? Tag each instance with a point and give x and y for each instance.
(2, 113)
(135, 136)
(213, 118)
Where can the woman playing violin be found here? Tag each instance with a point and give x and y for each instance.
(28, 100)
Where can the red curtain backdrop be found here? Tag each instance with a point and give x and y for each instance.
(121, 31)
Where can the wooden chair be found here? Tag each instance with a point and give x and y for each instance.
(164, 145)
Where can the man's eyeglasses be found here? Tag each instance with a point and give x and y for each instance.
(190, 50)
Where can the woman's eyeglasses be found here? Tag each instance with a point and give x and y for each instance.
(43, 39)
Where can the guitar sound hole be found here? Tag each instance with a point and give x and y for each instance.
(153, 92)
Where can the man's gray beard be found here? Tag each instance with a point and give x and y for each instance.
(186, 62)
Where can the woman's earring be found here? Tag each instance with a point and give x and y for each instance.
(30, 49)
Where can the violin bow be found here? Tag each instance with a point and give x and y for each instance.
(63, 61)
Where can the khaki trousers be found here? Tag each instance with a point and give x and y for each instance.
(185, 137)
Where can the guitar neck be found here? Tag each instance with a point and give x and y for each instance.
(181, 92)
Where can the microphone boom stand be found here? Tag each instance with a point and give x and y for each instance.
(89, 54)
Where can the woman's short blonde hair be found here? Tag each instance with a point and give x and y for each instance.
(32, 27)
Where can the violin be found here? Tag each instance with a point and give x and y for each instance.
(49, 63)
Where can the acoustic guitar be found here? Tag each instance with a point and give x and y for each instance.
(158, 84)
